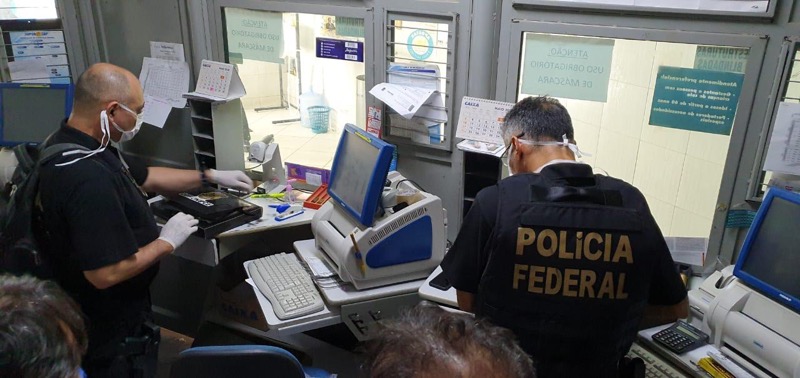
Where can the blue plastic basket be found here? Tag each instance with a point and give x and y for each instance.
(318, 117)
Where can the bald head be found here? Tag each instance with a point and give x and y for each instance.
(102, 83)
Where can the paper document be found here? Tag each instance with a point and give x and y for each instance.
(405, 100)
(783, 154)
(217, 82)
(426, 77)
(481, 147)
(28, 70)
(167, 51)
(480, 119)
(165, 79)
(156, 111)
(691, 251)
(416, 129)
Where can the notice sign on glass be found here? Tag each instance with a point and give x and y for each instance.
(256, 35)
(340, 49)
(568, 67)
(696, 100)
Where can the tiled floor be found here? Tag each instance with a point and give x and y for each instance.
(298, 144)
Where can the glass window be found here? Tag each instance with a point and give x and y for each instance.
(679, 171)
(27, 9)
(302, 100)
(791, 94)
(418, 56)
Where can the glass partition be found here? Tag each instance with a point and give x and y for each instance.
(304, 79)
(608, 86)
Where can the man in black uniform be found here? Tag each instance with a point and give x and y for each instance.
(100, 232)
(572, 262)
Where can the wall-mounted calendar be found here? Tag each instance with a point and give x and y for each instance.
(479, 123)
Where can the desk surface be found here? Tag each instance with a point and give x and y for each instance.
(333, 297)
(328, 315)
(447, 298)
(345, 293)
(267, 221)
(686, 361)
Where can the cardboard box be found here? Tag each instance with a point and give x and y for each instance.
(240, 305)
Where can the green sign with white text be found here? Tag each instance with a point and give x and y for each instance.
(256, 35)
(568, 67)
(696, 100)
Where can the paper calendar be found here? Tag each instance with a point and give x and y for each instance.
(480, 119)
(218, 81)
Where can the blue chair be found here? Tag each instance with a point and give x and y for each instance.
(240, 361)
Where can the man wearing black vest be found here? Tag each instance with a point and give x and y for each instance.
(572, 262)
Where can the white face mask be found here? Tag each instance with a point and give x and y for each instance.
(103, 142)
(129, 134)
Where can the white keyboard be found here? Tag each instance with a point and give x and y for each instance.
(655, 366)
(286, 284)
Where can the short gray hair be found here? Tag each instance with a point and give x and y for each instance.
(540, 118)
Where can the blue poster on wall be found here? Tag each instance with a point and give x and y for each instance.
(696, 100)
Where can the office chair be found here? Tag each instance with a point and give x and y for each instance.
(241, 361)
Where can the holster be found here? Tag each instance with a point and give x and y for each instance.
(137, 349)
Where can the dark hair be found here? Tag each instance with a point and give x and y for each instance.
(42, 333)
(428, 339)
(540, 118)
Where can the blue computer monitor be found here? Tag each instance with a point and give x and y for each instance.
(358, 173)
(31, 112)
(770, 256)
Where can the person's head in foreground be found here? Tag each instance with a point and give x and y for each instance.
(427, 341)
(42, 334)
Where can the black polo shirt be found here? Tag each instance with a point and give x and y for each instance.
(96, 216)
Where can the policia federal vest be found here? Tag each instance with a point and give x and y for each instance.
(568, 269)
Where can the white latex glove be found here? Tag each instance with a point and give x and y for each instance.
(177, 229)
(231, 179)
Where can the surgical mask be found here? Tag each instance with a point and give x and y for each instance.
(129, 134)
(564, 142)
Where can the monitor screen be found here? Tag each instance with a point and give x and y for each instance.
(770, 256)
(358, 173)
(31, 112)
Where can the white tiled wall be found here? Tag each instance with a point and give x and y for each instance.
(678, 171)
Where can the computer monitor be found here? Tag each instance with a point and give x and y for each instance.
(359, 172)
(31, 112)
(770, 256)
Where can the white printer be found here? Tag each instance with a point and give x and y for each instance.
(752, 311)
(378, 229)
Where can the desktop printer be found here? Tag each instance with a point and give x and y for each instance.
(751, 312)
(402, 245)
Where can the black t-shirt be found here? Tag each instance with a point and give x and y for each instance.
(96, 215)
(466, 260)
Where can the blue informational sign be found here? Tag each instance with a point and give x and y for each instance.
(696, 100)
(340, 49)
